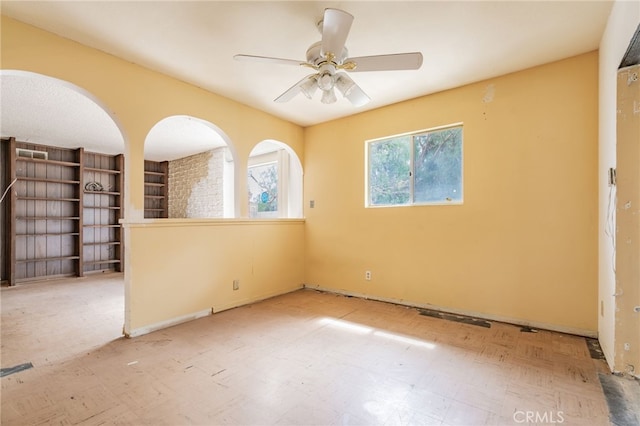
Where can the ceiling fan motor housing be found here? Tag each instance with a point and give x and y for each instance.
(315, 57)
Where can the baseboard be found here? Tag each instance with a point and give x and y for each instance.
(489, 317)
(250, 300)
(214, 310)
(167, 323)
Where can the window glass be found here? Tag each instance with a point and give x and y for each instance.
(420, 168)
(437, 163)
(263, 190)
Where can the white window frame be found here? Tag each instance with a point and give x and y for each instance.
(412, 202)
(281, 159)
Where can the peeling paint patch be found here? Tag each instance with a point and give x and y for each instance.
(489, 93)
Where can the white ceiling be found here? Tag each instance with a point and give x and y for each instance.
(462, 42)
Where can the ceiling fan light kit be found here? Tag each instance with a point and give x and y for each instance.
(329, 66)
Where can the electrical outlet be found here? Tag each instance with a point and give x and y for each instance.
(367, 275)
(627, 347)
(236, 284)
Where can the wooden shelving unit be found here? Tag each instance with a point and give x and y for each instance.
(45, 220)
(156, 189)
(103, 182)
(61, 216)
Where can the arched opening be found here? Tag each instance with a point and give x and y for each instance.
(189, 170)
(274, 181)
(63, 154)
(57, 138)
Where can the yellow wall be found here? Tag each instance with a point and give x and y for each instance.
(524, 243)
(196, 270)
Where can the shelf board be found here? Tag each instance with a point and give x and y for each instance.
(46, 180)
(101, 226)
(102, 192)
(106, 243)
(150, 173)
(98, 262)
(98, 170)
(47, 259)
(47, 199)
(154, 210)
(102, 207)
(158, 185)
(156, 197)
(47, 218)
(55, 162)
(58, 234)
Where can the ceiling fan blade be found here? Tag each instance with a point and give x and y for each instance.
(351, 90)
(393, 62)
(267, 59)
(291, 92)
(335, 29)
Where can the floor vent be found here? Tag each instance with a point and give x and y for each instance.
(456, 318)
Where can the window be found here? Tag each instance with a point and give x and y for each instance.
(418, 168)
(274, 181)
(263, 189)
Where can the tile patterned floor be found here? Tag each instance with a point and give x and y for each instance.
(306, 358)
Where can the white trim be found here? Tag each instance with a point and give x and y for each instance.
(204, 313)
(489, 317)
(219, 308)
(185, 222)
(167, 323)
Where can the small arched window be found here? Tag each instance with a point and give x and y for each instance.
(274, 181)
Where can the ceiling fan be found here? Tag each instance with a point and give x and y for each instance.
(329, 57)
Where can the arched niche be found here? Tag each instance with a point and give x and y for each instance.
(274, 181)
(189, 170)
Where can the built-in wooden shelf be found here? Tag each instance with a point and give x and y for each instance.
(102, 207)
(48, 217)
(47, 199)
(52, 162)
(47, 180)
(48, 259)
(102, 192)
(41, 234)
(107, 171)
(156, 178)
(49, 205)
(102, 235)
(100, 262)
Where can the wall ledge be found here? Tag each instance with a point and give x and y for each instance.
(177, 223)
(488, 317)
